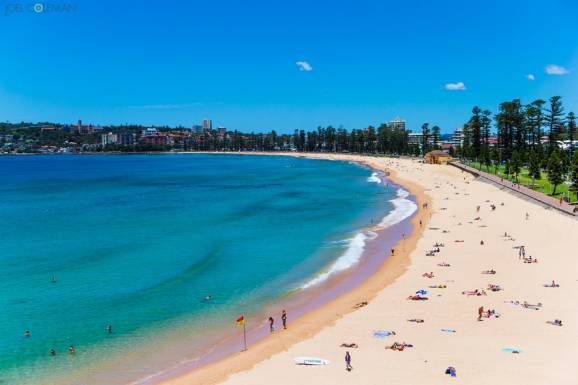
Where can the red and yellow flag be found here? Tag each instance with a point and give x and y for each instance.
(240, 321)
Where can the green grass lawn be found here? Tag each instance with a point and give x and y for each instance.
(541, 185)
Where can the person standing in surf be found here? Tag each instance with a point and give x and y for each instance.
(284, 319)
(271, 322)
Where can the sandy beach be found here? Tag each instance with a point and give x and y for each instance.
(452, 334)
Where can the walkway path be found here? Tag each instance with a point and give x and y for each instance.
(542, 198)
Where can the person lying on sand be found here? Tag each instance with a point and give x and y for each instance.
(474, 292)
(417, 297)
(553, 284)
(556, 322)
(491, 271)
(444, 264)
(438, 245)
(416, 320)
(399, 346)
(530, 306)
(351, 345)
(360, 305)
(494, 287)
(438, 287)
(459, 241)
(428, 275)
(530, 260)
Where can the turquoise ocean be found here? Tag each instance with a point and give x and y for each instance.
(139, 241)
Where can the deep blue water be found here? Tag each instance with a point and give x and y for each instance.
(138, 241)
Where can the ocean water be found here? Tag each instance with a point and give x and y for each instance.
(139, 241)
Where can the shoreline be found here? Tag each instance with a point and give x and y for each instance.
(313, 321)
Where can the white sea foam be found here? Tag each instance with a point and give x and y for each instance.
(350, 257)
(403, 208)
(374, 178)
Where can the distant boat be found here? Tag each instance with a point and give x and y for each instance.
(311, 361)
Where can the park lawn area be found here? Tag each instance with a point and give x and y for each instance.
(542, 185)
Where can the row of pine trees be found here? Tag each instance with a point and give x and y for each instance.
(537, 137)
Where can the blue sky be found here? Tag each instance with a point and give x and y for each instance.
(236, 62)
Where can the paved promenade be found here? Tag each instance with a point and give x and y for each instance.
(542, 198)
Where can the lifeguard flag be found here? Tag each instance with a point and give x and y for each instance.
(240, 320)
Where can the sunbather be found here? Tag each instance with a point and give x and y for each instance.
(399, 346)
(416, 320)
(530, 306)
(553, 284)
(474, 292)
(351, 345)
(417, 298)
(556, 322)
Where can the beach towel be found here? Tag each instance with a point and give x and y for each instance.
(449, 330)
(512, 350)
(383, 333)
(421, 292)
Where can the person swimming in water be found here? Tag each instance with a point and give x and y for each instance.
(27, 333)
(52, 352)
(71, 349)
(109, 329)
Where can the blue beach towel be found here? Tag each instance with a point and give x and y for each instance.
(449, 330)
(512, 350)
(421, 292)
(383, 333)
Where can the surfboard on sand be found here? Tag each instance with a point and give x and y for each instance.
(311, 361)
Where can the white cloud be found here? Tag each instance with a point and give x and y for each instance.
(553, 69)
(459, 86)
(304, 66)
(530, 77)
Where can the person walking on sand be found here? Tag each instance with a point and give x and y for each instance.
(348, 366)
(271, 322)
(284, 319)
(480, 313)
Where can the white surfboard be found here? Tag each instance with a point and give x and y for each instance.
(311, 361)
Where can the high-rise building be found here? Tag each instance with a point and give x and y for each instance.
(197, 129)
(126, 139)
(458, 138)
(397, 123)
(207, 124)
(110, 138)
